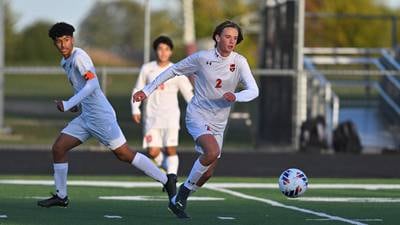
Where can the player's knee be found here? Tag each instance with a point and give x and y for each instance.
(124, 156)
(212, 155)
(170, 151)
(57, 149)
(153, 152)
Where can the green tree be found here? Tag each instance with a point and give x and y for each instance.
(208, 14)
(35, 47)
(118, 26)
(348, 32)
(11, 37)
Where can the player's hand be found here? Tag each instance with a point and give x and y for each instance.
(229, 96)
(59, 105)
(139, 96)
(136, 118)
(74, 109)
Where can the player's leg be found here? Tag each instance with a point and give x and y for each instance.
(172, 160)
(211, 151)
(153, 143)
(140, 161)
(156, 155)
(170, 139)
(61, 146)
(206, 176)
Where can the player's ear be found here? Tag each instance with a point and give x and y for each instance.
(217, 38)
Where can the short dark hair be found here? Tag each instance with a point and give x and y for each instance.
(61, 29)
(218, 30)
(163, 40)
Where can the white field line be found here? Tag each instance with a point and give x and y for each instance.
(3, 216)
(112, 217)
(347, 199)
(156, 198)
(363, 220)
(278, 204)
(226, 218)
(134, 184)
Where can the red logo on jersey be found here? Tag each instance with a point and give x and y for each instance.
(148, 138)
(232, 67)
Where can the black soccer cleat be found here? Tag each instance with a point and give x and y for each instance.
(170, 186)
(181, 214)
(181, 197)
(54, 201)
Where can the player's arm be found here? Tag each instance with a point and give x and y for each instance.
(186, 67)
(250, 90)
(135, 105)
(91, 85)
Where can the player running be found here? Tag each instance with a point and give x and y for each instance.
(217, 74)
(97, 119)
(161, 111)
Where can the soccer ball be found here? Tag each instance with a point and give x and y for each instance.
(293, 183)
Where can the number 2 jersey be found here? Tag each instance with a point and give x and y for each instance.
(214, 76)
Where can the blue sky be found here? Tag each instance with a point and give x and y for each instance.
(73, 11)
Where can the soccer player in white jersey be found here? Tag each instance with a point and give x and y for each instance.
(217, 74)
(161, 109)
(97, 119)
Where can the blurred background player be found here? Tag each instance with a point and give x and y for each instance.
(217, 72)
(161, 109)
(97, 119)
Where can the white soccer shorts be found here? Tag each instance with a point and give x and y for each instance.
(160, 138)
(197, 127)
(108, 134)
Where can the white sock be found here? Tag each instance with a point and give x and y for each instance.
(144, 164)
(195, 174)
(172, 163)
(60, 178)
(159, 159)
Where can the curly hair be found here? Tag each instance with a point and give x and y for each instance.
(61, 29)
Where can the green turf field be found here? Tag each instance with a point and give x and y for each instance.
(224, 201)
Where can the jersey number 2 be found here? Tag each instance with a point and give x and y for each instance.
(218, 83)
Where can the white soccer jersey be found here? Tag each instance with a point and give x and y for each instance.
(214, 76)
(96, 110)
(161, 108)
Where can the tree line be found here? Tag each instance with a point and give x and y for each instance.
(115, 29)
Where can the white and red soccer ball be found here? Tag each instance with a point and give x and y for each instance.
(293, 183)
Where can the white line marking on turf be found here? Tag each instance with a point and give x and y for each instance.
(3, 216)
(363, 220)
(156, 198)
(278, 204)
(113, 217)
(37, 197)
(370, 220)
(226, 218)
(130, 184)
(343, 199)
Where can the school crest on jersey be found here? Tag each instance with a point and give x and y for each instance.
(232, 67)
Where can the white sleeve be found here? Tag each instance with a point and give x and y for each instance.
(185, 87)
(250, 91)
(84, 65)
(140, 83)
(89, 87)
(186, 66)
